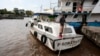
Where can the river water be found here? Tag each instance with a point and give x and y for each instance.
(16, 40)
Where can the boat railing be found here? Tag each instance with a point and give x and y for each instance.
(70, 9)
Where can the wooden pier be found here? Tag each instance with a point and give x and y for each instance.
(93, 33)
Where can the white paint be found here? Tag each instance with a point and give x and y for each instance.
(88, 6)
(97, 8)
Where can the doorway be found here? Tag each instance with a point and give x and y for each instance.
(74, 6)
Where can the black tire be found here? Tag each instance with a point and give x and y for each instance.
(26, 24)
(43, 39)
(32, 24)
(35, 34)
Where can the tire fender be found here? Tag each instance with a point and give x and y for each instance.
(44, 39)
(26, 24)
(32, 24)
(35, 34)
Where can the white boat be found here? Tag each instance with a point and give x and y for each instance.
(48, 34)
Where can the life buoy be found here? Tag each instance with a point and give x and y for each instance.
(43, 39)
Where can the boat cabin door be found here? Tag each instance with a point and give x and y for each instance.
(74, 6)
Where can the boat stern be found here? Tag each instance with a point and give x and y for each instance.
(67, 43)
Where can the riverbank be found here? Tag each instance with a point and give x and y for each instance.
(19, 17)
(11, 16)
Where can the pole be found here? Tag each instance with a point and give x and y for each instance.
(41, 8)
(50, 4)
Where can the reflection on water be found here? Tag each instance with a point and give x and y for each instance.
(16, 40)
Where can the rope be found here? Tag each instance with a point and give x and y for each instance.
(61, 40)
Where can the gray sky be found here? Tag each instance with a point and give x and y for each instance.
(33, 5)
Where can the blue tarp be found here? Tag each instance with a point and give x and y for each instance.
(78, 24)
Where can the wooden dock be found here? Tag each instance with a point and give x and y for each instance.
(93, 33)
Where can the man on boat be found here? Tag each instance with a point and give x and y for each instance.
(62, 21)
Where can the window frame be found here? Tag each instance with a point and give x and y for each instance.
(68, 30)
(50, 30)
(40, 26)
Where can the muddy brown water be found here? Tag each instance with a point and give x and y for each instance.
(16, 40)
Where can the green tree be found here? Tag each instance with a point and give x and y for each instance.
(29, 13)
(10, 12)
(3, 11)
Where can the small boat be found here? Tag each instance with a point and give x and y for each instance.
(47, 32)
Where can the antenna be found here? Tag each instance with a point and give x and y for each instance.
(50, 4)
(41, 8)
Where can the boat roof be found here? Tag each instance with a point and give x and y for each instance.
(51, 24)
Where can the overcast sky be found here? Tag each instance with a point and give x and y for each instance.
(33, 5)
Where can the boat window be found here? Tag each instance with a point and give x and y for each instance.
(74, 6)
(48, 29)
(35, 18)
(67, 3)
(67, 30)
(35, 22)
(40, 26)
